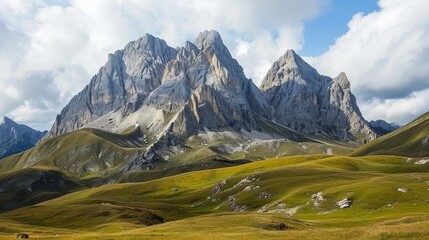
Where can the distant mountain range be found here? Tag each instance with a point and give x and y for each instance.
(15, 138)
(382, 127)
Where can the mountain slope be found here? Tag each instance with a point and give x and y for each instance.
(103, 157)
(80, 153)
(411, 140)
(314, 104)
(15, 138)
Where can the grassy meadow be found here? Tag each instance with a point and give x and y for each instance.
(271, 199)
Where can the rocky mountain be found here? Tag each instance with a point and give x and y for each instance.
(15, 138)
(124, 82)
(306, 101)
(382, 127)
(171, 94)
(199, 91)
(198, 86)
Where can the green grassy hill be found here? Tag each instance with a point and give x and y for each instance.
(107, 157)
(411, 140)
(303, 193)
(93, 158)
(80, 153)
(33, 185)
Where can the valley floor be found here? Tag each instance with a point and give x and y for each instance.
(300, 197)
(240, 226)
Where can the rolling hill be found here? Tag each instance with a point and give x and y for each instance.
(380, 197)
(411, 140)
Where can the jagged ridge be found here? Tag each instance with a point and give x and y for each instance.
(314, 104)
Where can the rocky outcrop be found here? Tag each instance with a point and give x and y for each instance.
(124, 82)
(208, 89)
(15, 138)
(312, 103)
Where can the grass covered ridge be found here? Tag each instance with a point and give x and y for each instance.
(411, 140)
(200, 204)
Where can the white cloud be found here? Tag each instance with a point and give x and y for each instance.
(384, 54)
(51, 48)
(392, 110)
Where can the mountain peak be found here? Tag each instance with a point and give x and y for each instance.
(6, 120)
(147, 42)
(209, 38)
(289, 67)
(292, 85)
(292, 59)
(342, 80)
(290, 53)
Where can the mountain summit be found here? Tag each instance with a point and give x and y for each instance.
(124, 82)
(314, 104)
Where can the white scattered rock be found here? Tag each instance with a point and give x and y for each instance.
(289, 211)
(326, 212)
(246, 181)
(281, 205)
(318, 196)
(425, 140)
(218, 187)
(243, 182)
(345, 203)
(422, 161)
(264, 208)
(404, 190)
(250, 188)
(237, 208)
(264, 195)
(231, 199)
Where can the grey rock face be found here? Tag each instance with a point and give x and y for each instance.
(15, 138)
(171, 93)
(127, 78)
(203, 88)
(201, 84)
(314, 104)
(222, 97)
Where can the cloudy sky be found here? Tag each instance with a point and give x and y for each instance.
(49, 49)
